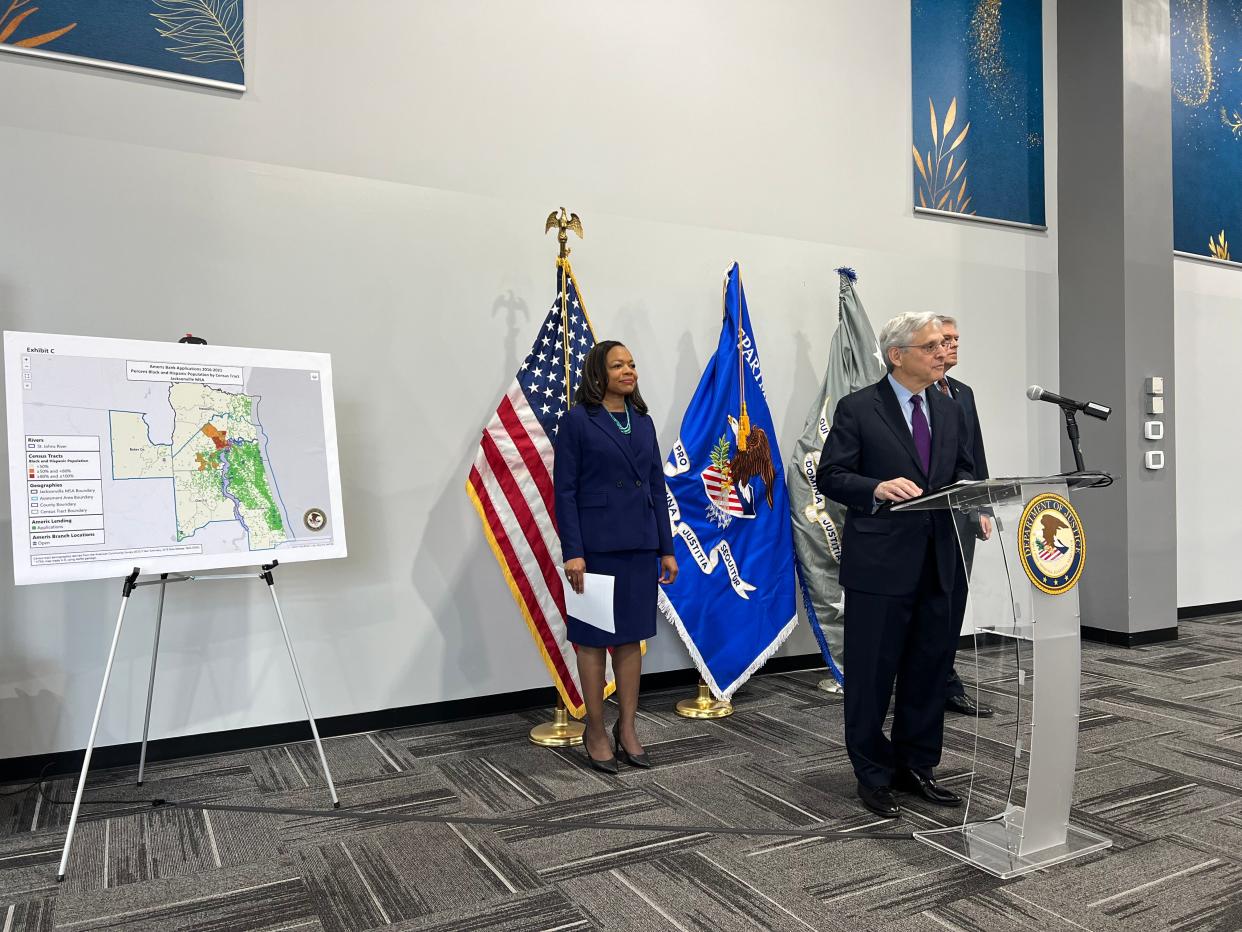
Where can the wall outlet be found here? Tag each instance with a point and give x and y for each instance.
(1155, 385)
(1155, 405)
(1154, 459)
(1153, 430)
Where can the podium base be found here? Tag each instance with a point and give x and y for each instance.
(993, 846)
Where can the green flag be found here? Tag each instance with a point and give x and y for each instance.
(854, 361)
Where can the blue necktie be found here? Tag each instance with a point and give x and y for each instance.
(922, 434)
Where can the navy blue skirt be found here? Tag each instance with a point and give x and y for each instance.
(637, 574)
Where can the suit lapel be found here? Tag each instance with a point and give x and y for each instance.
(892, 415)
(600, 418)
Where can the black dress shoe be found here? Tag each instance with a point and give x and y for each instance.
(879, 799)
(964, 705)
(603, 766)
(634, 760)
(910, 782)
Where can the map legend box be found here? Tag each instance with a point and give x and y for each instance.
(65, 498)
(62, 465)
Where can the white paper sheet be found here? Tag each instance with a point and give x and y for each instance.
(594, 606)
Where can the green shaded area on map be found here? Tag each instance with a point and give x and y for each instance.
(248, 483)
(215, 461)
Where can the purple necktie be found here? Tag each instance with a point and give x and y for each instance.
(922, 433)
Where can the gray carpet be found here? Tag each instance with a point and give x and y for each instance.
(1160, 772)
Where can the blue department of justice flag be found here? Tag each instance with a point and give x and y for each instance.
(734, 602)
(854, 360)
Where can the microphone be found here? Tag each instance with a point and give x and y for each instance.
(1035, 393)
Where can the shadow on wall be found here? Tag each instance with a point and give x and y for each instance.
(516, 311)
(462, 586)
(459, 586)
(806, 378)
(685, 380)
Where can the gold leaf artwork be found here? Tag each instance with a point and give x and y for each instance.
(205, 31)
(938, 177)
(1218, 247)
(9, 24)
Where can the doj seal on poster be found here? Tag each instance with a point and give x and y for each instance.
(1051, 542)
(315, 519)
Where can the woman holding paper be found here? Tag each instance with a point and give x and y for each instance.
(612, 516)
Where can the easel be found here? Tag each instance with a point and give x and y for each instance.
(127, 588)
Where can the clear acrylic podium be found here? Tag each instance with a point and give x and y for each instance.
(1034, 677)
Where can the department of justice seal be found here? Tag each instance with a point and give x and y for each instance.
(315, 519)
(1052, 544)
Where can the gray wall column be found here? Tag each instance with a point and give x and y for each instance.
(1116, 297)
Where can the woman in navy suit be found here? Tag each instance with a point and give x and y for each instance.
(612, 516)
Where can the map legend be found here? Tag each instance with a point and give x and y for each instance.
(64, 491)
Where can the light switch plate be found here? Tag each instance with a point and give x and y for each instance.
(1155, 405)
(1154, 459)
(1153, 430)
(1155, 385)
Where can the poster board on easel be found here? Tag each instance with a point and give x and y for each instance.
(168, 456)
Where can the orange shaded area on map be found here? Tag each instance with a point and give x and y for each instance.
(217, 436)
(208, 461)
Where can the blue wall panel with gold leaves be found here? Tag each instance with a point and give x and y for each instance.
(1207, 127)
(977, 82)
(190, 40)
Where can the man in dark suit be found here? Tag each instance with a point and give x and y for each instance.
(890, 442)
(978, 525)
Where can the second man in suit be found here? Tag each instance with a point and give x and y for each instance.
(978, 525)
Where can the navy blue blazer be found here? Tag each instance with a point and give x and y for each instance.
(965, 396)
(609, 496)
(883, 551)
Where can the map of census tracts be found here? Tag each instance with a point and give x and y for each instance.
(214, 459)
(167, 457)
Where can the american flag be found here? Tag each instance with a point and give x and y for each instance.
(511, 480)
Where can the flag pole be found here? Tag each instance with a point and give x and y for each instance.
(704, 705)
(562, 731)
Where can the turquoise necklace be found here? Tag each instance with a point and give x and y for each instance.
(624, 428)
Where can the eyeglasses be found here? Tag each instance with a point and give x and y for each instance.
(930, 348)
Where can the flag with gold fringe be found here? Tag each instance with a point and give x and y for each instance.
(734, 602)
(510, 482)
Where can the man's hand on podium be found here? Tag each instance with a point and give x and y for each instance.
(896, 490)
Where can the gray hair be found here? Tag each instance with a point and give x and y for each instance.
(946, 319)
(901, 329)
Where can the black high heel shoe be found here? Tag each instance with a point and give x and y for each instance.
(608, 765)
(634, 760)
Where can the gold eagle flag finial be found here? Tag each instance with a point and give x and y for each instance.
(563, 223)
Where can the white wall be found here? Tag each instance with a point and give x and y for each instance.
(1208, 321)
(379, 193)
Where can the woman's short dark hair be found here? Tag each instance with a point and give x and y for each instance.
(595, 377)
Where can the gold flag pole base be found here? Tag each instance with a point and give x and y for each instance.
(561, 732)
(830, 685)
(704, 705)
